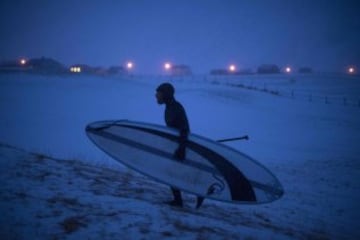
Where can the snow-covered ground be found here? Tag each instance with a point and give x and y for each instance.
(311, 146)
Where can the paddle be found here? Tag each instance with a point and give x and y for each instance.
(246, 137)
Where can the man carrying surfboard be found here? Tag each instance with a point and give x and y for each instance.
(175, 117)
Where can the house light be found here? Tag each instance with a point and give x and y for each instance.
(75, 69)
(232, 68)
(129, 65)
(167, 66)
(23, 61)
(351, 70)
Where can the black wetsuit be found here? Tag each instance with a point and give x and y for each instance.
(175, 117)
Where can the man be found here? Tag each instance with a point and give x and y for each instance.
(175, 117)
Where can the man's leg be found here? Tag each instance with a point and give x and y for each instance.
(177, 197)
(199, 201)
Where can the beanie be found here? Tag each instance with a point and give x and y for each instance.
(167, 90)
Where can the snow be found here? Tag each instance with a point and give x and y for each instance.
(55, 184)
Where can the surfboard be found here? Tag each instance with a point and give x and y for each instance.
(211, 169)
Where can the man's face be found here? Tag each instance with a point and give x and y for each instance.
(159, 97)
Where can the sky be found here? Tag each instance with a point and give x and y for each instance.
(204, 34)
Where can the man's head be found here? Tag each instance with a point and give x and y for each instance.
(165, 93)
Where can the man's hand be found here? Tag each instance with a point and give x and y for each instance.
(179, 153)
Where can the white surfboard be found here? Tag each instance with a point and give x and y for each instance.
(211, 169)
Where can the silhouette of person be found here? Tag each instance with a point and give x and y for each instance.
(175, 117)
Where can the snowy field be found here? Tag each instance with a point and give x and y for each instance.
(311, 146)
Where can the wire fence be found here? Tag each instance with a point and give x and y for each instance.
(298, 95)
(332, 89)
(322, 88)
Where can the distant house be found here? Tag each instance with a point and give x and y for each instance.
(100, 71)
(35, 65)
(245, 71)
(268, 69)
(181, 70)
(219, 72)
(117, 70)
(305, 70)
(229, 72)
(13, 66)
(46, 65)
(82, 68)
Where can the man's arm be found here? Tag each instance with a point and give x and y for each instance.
(183, 134)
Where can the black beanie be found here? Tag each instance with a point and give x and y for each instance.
(167, 90)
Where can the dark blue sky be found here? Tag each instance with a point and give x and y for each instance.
(204, 34)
